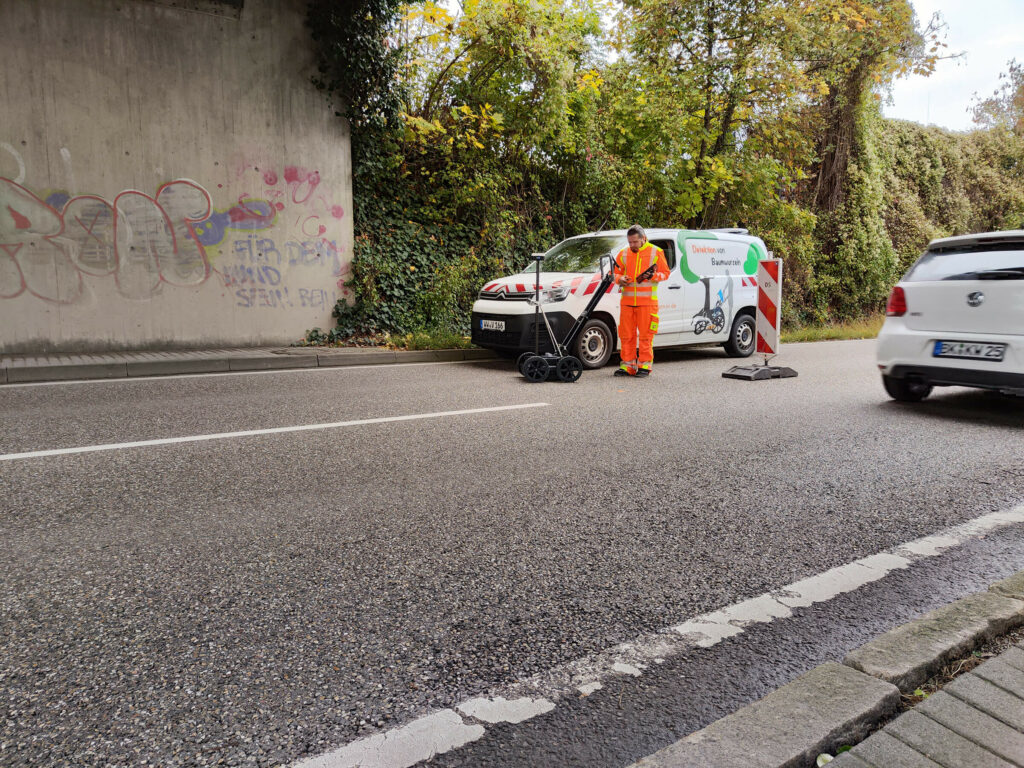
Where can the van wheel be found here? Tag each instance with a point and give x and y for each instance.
(906, 391)
(594, 345)
(741, 337)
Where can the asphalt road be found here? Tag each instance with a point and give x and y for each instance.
(257, 599)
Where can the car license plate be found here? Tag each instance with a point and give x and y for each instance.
(492, 325)
(969, 350)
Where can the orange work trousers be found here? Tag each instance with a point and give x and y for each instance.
(637, 322)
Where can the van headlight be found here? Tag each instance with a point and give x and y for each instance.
(554, 294)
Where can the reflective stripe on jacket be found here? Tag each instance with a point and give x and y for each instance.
(631, 265)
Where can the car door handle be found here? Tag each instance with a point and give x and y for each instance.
(674, 287)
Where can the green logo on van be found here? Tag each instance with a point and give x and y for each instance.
(754, 255)
(684, 267)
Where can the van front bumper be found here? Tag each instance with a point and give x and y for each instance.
(518, 334)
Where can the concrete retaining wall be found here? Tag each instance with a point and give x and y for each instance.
(168, 176)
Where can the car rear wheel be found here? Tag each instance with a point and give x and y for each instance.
(741, 337)
(595, 343)
(906, 391)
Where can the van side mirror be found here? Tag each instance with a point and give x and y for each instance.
(607, 265)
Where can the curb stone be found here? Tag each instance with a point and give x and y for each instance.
(262, 363)
(65, 372)
(26, 369)
(813, 714)
(791, 726)
(909, 655)
(171, 367)
(367, 357)
(1011, 587)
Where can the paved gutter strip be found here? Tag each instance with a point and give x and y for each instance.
(28, 369)
(978, 727)
(883, 750)
(983, 695)
(944, 746)
(59, 372)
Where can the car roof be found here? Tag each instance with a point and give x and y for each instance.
(979, 238)
(660, 232)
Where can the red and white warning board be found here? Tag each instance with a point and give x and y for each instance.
(769, 305)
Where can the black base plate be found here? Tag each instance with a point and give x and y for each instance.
(758, 372)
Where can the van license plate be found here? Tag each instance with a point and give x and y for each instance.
(967, 350)
(492, 325)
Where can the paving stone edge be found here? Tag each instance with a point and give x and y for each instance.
(692, 750)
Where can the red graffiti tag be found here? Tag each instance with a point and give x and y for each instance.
(142, 240)
(20, 222)
(301, 180)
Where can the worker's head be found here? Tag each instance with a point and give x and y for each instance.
(636, 237)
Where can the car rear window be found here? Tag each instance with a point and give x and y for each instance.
(966, 263)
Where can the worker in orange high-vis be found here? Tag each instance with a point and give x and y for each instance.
(638, 270)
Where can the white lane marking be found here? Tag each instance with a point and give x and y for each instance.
(278, 371)
(252, 432)
(628, 669)
(501, 710)
(584, 676)
(419, 740)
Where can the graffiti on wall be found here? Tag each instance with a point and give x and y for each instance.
(172, 238)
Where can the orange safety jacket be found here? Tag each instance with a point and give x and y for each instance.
(631, 265)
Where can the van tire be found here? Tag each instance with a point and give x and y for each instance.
(594, 344)
(742, 337)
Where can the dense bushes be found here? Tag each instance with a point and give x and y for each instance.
(481, 137)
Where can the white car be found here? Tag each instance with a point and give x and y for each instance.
(957, 318)
(709, 297)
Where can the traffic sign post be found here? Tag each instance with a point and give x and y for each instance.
(769, 320)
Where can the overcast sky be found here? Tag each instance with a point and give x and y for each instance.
(989, 33)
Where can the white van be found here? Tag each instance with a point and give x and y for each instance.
(709, 296)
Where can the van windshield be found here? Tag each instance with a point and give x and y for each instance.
(988, 261)
(579, 254)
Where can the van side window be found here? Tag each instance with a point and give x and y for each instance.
(669, 247)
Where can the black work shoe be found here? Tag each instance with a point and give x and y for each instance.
(622, 372)
(643, 372)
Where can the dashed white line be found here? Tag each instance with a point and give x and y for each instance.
(583, 677)
(501, 710)
(253, 432)
(419, 740)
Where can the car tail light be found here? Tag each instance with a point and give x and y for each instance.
(897, 306)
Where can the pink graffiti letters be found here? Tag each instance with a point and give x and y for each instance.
(33, 258)
(142, 241)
